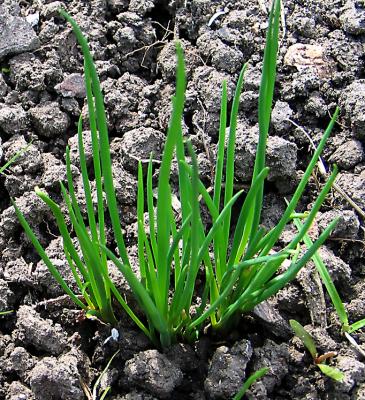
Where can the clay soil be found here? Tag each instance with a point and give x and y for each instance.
(48, 349)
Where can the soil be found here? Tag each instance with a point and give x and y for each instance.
(48, 350)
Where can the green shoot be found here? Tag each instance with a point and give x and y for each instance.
(14, 158)
(96, 391)
(6, 312)
(308, 342)
(331, 288)
(305, 337)
(356, 326)
(249, 381)
(331, 372)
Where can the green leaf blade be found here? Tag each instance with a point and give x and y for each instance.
(304, 336)
(333, 373)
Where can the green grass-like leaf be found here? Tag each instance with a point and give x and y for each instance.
(326, 278)
(14, 158)
(249, 381)
(305, 337)
(6, 312)
(333, 373)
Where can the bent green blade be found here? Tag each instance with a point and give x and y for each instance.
(250, 380)
(45, 258)
(105, 157)
(268, 242)
(356, 326)
(280, 281)
(326, 278)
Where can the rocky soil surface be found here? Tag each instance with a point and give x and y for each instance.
(48, 351)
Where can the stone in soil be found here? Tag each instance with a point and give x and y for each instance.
(17, 271)
(48, 120)
(279, 117)
(73, 85)
(126, 102)
(352, 101)
(17, 391)
(27, 72)
(227, 370)
(19, 361)
(132, 35)
(223, 57)
(348, 155)
(54, 172)
(57, 378)
(281, 155)
(354, 371)
(166, 61)
(183, 356)
(154, 372)
(354, 186)
(276, 357)
(347, 54)
(33, 330)
(136, 145)
(353, 18)
(125, 185)
(268, 315)
(348, 224)
(13, 119)
(339, 271)
(17, 35)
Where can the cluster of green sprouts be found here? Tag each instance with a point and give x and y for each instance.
(241, 270)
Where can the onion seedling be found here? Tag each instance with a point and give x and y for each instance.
(172, 251)
(320, 361)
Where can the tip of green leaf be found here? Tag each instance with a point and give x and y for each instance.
(38, 191)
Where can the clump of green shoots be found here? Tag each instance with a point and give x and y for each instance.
(319, 360)
(240, 272)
